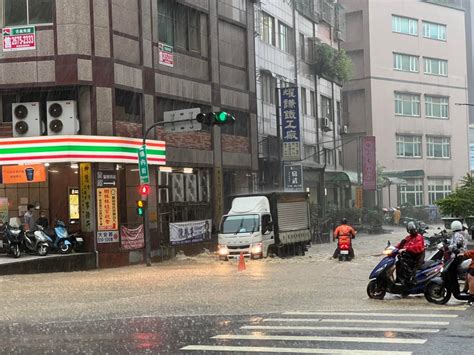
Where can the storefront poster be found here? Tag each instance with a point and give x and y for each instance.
(190, 232)
(107, 237)
(19, 38)
(132, 238)
(20, 174)
(73, 205)
(85, 196)
(107, 213)
(3, 209)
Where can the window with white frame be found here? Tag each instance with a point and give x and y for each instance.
(284, 33)
(438, 189)
(435, 66)
(408, 146)
(304, 102)
(407, 104)
(268, 28)
(268, 83)
(405, 62)
(405, 25)
(436, 106)
(28, 12)
(328, 153)
(412, 192)
(434, 31)
(438, 147)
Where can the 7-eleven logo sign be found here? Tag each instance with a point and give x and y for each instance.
(6, 31)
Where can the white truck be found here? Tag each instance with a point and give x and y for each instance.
(269, 223)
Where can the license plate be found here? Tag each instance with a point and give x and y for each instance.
(79, 239)
(344, 251)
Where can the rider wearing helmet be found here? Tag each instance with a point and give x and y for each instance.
(458, 241)
(344, 229)
(411, 250)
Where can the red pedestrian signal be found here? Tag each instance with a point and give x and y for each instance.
(144, 189)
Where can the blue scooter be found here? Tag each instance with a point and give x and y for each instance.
(382, 276)
(59, 239)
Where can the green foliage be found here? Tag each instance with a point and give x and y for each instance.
(459, 203)
(332, 64)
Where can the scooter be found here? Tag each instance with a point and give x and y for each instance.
(65, 242)
(382, 276)
(37, 241)
(344, 246)
(440, 289)
(13, 239)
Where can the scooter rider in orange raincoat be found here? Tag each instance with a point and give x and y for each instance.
(343, 230)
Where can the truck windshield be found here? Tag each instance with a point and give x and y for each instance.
(240, 224)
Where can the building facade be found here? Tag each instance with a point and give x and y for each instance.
(409, 76)
(123, 64)
(287, 33)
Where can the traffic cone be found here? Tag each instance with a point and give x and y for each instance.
(241, 262)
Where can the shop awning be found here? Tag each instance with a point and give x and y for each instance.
(394, 181)
(65, 149)
(341, 177)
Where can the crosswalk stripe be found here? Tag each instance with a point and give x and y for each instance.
(347, 320)
(355, 329)
(371, 314)
(320, 338)
(263, 349)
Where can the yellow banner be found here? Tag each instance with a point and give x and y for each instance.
(85, 197)
(107, 213)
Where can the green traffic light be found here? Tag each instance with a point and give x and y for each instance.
(222, 117)
(140, 211)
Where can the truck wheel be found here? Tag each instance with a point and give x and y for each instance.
(299, 250)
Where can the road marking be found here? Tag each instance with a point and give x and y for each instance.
(320, 338)
(263, 349)
(372, 314)
(355, 329)
(347, 320)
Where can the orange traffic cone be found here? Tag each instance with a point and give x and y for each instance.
(241, 262)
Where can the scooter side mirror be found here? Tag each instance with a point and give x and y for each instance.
(388, 243)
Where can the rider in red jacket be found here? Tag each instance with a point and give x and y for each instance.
(412, 254)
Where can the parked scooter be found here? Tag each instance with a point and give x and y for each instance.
(13, 239)
(440, 288)
(37, 241)
(382, 277)
(344, 246)
(64, 242)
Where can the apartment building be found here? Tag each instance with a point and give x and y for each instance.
(121, 64)
(409, 78)
(286, 35)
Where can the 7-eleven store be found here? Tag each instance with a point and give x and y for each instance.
(90, 182)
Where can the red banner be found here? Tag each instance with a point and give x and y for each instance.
(369, 169)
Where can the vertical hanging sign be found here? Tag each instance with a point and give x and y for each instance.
(369, 169)
(85, 196)
(290, 124)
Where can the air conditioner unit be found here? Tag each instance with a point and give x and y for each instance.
(163, 195)
(163, 178)
(62, 118)
(177, 187)
(344, 129)
(26, 120)
(191, 188)
(340, 35)
(204, 186)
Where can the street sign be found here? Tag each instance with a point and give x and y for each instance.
(182, 120)
(293, 177)
(106, 178)
(19, 38)
(290, 124)
(143, 165)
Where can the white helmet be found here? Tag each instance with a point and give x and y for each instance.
(456, 226)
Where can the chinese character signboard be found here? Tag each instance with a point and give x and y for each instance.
(369, 169)
(107, 213)
(107, 237)
(293, 176)
(359, 197)
(143, 165)
(106, 178)
(19, 38)
(85, 196)
(290, 125)
(166, 56)
(132, 238)
(190, 232)
(74, 214)
(20, 174)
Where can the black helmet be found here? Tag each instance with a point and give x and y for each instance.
(344, 221)
(411, 228)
